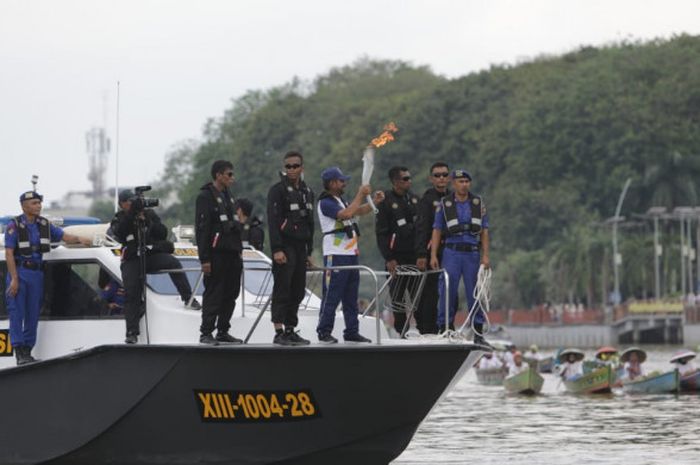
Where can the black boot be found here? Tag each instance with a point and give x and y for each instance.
(21, 353)
(28, 354)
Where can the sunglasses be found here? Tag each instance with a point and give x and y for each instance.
(406, 178)
(229, 174)
(440, 175)
(292, 166)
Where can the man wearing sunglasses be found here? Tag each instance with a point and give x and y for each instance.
(291, 224)
(426, 314)
(461, 218)
(395, 231)
(218, 237)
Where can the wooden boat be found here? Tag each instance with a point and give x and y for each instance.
(528, 382)
(690, 382)
(599, 380)
(491, 376)
(654, 383)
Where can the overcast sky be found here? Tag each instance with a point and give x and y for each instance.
(181, 62)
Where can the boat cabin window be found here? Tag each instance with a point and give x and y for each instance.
(79, 289)
(162, 284)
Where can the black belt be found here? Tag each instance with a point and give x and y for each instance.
(463, 247)
(30, 265)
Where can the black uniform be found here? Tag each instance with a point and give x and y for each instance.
(291, 227)
(158, 257)
(219, 243)
(395, 230)
(426, 315)
(252, 233)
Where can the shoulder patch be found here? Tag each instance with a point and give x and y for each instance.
(476, 201)
(414, 200)
(394, 205)
(436, 203)
(448, 203)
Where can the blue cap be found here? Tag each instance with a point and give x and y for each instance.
(460, 174)
(30, 195)
(332, 173)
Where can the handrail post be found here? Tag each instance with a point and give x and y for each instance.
(196, 286)
(243, 289)
(446, 279)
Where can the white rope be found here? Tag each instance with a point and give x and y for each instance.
(482, 301)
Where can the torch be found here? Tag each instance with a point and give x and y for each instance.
(368, 156)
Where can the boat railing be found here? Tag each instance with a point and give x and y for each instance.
(401, 291)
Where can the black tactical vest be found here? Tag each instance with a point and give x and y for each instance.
(454, 227)
(403, 219)
(23, 245)
(225, 213)
(298, 211)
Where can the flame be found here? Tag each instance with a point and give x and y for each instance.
(386, 136)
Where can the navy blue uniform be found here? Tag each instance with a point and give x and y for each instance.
(24, 308)
(459, 261)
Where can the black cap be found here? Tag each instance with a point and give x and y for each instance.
(125, 195)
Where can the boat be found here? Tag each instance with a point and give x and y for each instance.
(599, 380)
(491, 376)
(93, 400)
(527, 382)
(690, 382)
(653, 383)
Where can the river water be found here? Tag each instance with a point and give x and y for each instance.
(478, 424)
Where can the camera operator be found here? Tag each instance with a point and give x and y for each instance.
(134, 214)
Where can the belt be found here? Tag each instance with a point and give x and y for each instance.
(30, 265)
(463, 247)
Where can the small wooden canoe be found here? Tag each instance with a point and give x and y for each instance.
(690, 382)
(528, 382)
(491, 376)
(653, 384)
(599, 380)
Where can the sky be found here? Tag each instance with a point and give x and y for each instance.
(179, 63)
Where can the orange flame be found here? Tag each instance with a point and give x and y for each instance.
(386, 136)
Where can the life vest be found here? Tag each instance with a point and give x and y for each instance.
(298, 210)
(225, 213)
(24, 247)
(350, 226)
(403, 218)
(454, 227)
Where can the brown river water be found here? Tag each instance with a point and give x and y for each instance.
(482, 425)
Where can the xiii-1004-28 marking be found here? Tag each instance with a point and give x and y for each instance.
(255, 406)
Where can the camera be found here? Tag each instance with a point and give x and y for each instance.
(139, 202)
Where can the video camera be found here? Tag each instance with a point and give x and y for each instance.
(139, 202)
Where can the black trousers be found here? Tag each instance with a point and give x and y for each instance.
(397, 290)
(289, 286)
(221, 289)
(426, 313)
(131, 275)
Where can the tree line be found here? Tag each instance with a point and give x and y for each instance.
(548, 142)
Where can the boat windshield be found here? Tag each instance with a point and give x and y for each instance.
(258, 279)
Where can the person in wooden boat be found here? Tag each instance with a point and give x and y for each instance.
(633, 358)
(683, 360)
(572, 364)
(489, 361)
(533, 353)
(508, 355)
(607, 356)
(518, 365)
(27, 238)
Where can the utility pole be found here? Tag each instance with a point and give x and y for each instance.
(617, 258)
(656, 213)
